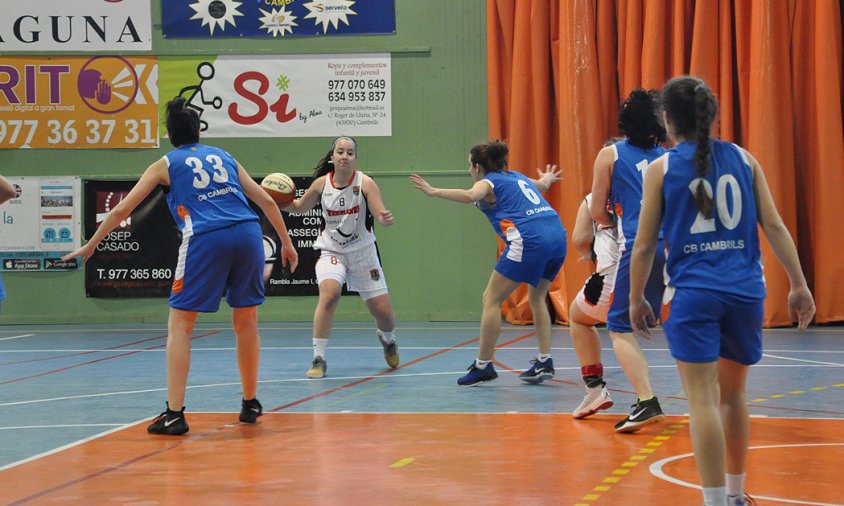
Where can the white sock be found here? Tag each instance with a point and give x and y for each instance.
(320, 347)
(387, 337)
(735, 484)
(542, 357)
(715, 496)
(481, 364)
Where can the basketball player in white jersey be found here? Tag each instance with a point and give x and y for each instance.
(351, 203)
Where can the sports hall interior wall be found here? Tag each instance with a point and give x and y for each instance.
(438, 255)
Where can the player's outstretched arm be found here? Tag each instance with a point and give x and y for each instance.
(256, 194)
(155, 175)
(478, 190)
(547, 177)
(307, 201)
(7, 190)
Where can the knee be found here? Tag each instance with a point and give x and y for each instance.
(328, 301)
(488, 300)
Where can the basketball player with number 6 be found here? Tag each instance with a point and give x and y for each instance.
(536, 248)
(351, 202)
(709, 197)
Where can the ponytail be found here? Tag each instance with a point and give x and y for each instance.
(182, 122)
(692, 108)
(492, 156)
(704, 148)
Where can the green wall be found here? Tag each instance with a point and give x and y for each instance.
(438, 255)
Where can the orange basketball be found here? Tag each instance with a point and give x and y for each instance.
(280, 187)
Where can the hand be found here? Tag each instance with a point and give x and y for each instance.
(801, 304)
(289, 256)
(385, 218)
(550, 176)
(422, 184)
(103, 92)
(641, 317)
(85, 252)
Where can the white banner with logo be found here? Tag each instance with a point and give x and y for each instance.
(284, 95)
(77, 25)
(40, 224)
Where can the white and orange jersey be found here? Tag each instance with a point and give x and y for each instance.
(605, 245)
(347, 224)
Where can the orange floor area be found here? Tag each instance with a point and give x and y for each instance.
(419, 459)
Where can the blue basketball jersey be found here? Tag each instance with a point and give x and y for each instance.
(205, 193)
(521, 206)
(720, 253)
(626, 187)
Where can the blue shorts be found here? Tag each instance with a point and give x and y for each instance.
(530, 263)
(704, 325)
(618, 317)
(227, 261)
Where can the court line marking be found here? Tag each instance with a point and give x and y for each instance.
(69, 445)
(623, 470)
(276, 409)
(89, 362)
(656, 469)
(802, 360)
(15, 337)
(63, 426)
(310, 347)
(118, 466)
(83, 352)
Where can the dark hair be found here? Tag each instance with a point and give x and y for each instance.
(492, 155)
(182, 122)
(612, 140)
(325, 165)
(638, 119)
(691, 105)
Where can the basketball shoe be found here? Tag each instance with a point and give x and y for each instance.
(538, 372)
(171, 423)
(643, 413)
(596, 399)
(391, 351)
(250, 410)
(318, 367)
(477, 375)
(740, 500)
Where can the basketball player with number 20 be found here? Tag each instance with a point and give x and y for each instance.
(351, 203)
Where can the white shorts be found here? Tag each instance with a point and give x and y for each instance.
(360, 270)
(596, 295)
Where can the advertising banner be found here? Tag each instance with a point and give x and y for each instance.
(115, 26)
(138, 258)
(76, 102)
(40, 224)
(284, 95)
(276, 18)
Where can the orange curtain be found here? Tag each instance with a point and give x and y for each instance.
(558, 70)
